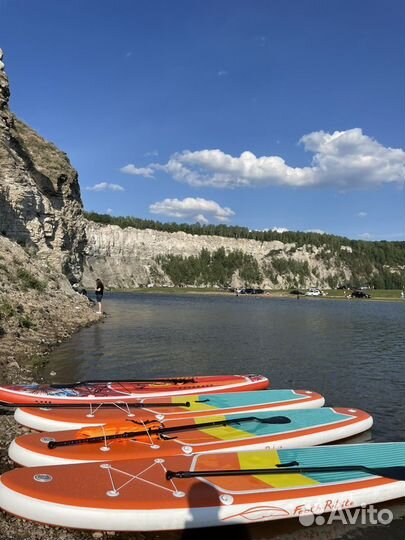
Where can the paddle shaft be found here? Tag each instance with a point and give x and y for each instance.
(395, 473)
(164, 430)
(173, 380)
(87, 405)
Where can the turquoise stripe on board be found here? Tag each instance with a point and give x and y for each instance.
(223, 401)
(368, 455)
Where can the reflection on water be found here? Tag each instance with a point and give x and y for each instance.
(351, 352)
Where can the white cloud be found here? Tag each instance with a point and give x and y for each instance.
(386, 236)
(200, 218)
(344, 159)
(109, 211)
(190, 208)
(138, 171)
(279, 229)
(262, 40)
(362, 214)
(318, 231)
(151, 153)
(222, 73)
(104, 186)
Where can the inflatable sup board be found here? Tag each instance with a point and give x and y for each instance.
(130, 390)
(253, 431)
(180, 492)
(61, 418)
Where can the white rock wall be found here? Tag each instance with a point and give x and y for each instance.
(127, 257)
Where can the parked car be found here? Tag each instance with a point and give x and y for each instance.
(360, 294)
(251, 291)
(313, 292)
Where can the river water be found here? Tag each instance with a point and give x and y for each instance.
(350, 351)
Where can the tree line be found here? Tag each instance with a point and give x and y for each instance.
(379, 264)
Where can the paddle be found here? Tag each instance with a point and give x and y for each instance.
(394, 473)
(87, 405)
(163, 430)
(173, 380)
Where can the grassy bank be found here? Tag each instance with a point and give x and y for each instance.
(376, 294)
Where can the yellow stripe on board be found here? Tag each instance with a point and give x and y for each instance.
(193, 405)
(268, 460)
(224, 433)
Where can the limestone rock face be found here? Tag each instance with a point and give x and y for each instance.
(128, 257)
(40, 203)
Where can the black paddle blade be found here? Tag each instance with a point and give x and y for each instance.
(275, 420)
(6, 412)
(395, 473)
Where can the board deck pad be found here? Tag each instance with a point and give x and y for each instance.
(247, 431)
(57, 419)
(137, 494)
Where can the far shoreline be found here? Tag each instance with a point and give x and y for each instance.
(377, 295)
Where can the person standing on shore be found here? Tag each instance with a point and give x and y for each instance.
(99, 295)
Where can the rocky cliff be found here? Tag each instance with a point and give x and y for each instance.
(131, 257)
(42, 238)
(40, 204)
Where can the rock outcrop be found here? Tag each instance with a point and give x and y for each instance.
(40, 203)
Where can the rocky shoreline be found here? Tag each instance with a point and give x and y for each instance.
(38, 310)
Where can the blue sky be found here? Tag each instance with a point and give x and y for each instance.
(262, 113)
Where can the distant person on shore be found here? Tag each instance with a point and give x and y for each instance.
(82, 291)
(99, 295)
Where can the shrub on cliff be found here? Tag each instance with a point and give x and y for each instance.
(28, 281)
(216, 268)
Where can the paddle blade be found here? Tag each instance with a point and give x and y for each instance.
(395, 473)
(276, 420)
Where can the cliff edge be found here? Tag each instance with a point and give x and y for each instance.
(40, 203)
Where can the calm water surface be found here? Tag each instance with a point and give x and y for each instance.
(350, 351)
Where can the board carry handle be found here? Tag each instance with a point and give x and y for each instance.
(163, 430)
(394, 473)
(86, 405)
